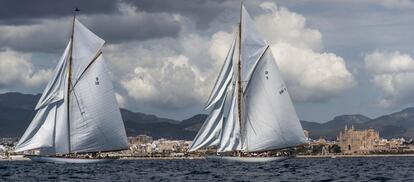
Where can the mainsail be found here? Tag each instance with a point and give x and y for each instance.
(77, 111)
(260, 115)
(270, 118)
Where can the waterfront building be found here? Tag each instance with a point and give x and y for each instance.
(3, 151)
(145, 146)
(361, 142)
(10, 141)
(164, 145)
(139, 139)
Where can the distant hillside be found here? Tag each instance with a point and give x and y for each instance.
(194, 123)
(331, 129)
(399, 124)
(16, 112)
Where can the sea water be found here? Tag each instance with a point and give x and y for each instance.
(297, 169)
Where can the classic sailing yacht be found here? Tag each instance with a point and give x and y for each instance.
(77, 112)
(251, 110)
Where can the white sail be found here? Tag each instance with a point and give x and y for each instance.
(86, 47)
(230, 136)
(96, 123)
(61, 135)
(55, 89)
(223, 79)
(61, 141)
(61, 128)
(40, 131)
(209, 133)
(270, 118)
(252, 46)
(261, 115)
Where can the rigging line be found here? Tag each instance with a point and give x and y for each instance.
(87, 68)
(84, 119)
(254, 67)
(77, 102)
(73, 85)
(263, 87)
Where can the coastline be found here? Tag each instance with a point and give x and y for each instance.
(128, 158)
(201, 158)
(19, 159)
(359, 155)
(162, 158)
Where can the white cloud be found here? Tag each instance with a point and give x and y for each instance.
(120, 99)
(169, 73)
(220, 43)
(281, 25)
(177, 73)
(46, 36)
(393, 74)
(17, 72)
(311, 74)
(389, 62)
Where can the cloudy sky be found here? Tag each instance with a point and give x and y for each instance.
(337, 57)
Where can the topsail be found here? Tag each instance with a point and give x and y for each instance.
(77, 111)
(258, 114)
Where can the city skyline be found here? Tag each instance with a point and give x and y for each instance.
(165, 59)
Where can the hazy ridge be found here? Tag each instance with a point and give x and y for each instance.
(17, 110)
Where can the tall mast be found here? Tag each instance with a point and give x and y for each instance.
(239, 82)
(70, 76)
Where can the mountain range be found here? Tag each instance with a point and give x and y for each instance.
(17, 110)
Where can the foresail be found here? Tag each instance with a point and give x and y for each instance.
(40, 131)
(209, 133)
(271, 121)
(54, 90)
(60, 134)
(61, 128)
(230, 136)
(252, 46)
(223, 79)
(50, 109)
(95, 120)
(86, 47)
